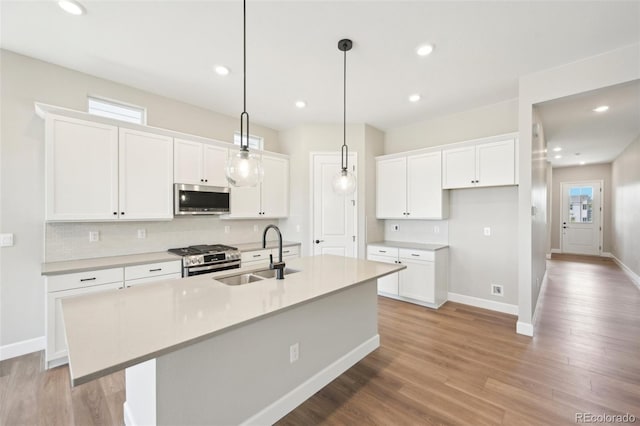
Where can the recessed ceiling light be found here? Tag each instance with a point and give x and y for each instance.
(425, 49)
(582, 163)
(72, 7)
(221, 70)
(301, 104)
(414, 98)
(601, 108)
(557, 149)
(557, 157)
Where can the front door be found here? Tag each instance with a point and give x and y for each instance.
(334, 216)
(581, 227)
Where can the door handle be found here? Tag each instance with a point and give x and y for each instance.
(319, 241)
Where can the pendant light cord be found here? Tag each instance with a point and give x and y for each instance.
(245, 115)
(345, 149)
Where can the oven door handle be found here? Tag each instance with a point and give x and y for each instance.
(211, 267)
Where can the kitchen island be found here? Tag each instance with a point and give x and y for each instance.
(198, 351)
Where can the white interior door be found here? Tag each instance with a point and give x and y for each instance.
(334, 216)
(580, 219)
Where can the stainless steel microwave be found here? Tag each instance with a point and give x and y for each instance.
(200, 199)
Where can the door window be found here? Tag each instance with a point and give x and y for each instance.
(581, 204)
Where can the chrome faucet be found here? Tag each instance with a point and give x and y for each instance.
(278, 266)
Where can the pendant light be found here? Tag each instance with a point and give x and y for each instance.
(344, 183)
(244, 168)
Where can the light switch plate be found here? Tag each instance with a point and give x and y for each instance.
(487, 231)
(227, 229)
(6, 240)
(94, 236)
(142, 234)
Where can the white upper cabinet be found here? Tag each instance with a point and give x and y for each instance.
(99, 172)
(483, 164)
(146, 175)
(199, 163)
(411, 187)
(81, 170)
(270, 199)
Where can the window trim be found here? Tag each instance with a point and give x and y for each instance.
(117, 102)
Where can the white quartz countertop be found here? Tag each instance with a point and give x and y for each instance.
(403, 245)
(82, 265)
(115, 329)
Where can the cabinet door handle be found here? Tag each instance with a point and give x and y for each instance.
(115, 213)
(155, 270)
(87, 279)
(257, 255)
(319, 241)
(408, 213)
(121, 213)
(206, 180)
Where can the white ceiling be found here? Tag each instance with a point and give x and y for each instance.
(170, 47)
(592, 137)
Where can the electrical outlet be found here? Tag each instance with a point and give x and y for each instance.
(294, 352)
(497, 290)
(6, 240)
(142, 234)
(396, 227)
(227, 229)
(487, 231)
(94, 236)
(255, 228)
(436, 229)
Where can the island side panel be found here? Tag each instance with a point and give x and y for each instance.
(245, 374)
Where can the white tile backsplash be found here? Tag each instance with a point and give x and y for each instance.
(66, 241)
(417, 231)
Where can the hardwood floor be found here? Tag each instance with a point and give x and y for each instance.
(458, 365)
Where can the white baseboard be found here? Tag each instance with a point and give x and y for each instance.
(22, 348)
(524, 328)
(297, 396)
(484, 303)
(548, 256)
(606, 254)
(556, 250)
(632, 275)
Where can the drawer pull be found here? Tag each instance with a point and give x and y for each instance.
(87, 279)
(416, 255)
(286, 251)
(155, 270)
(257, 255)
(382, 251)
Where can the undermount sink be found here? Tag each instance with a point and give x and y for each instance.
(271, 273)
(250, 277)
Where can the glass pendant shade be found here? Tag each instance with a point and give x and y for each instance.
(244, 169)
(344, 183)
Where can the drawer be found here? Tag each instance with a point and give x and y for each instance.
(152, 270)
(252, 256)
(147, 280)
(83, 279)
(290, 251)
(382, 251)
(417, 254)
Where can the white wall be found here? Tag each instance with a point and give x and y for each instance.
(575, 174)
(24, 81)
(625, 183)
(615, 67)
(489, 120)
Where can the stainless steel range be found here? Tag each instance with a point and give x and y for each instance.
(204, 259)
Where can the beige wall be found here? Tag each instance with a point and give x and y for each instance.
(489, 120)
(24, 81)
(575, 174)
(299, 143)
(625, 185)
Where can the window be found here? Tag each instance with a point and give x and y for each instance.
(117, 110)
(255, 142)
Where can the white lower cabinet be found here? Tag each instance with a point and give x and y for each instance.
(424, 281)
(59, 287)
(261, 256)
